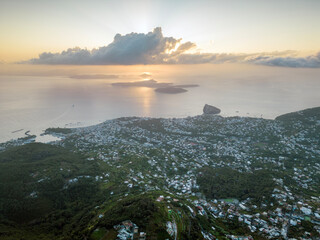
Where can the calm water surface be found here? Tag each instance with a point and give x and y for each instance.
(37, 99)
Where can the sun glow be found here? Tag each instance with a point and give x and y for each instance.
(169, 51)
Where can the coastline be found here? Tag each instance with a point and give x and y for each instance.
(49, 137)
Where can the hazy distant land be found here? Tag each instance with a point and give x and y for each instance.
(94, 76)
(145, 83)
(168, 88)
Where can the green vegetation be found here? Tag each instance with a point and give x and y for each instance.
(98, 233)
(298, 231)
(58, 130)
(38, 200)
(218, 183)
(35, 192)
(142, 210)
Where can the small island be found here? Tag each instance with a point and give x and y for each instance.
(151, 83)
(171, 90)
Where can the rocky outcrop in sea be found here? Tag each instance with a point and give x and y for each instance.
(208, 109)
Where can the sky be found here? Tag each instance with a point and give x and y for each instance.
(29, 28)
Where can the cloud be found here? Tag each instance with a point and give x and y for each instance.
(133, 48)
(280, 59)
(154, 48)
(312, 61)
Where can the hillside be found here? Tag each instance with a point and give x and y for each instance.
(202, 177)
(303, 115)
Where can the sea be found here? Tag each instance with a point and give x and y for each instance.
(33, 98)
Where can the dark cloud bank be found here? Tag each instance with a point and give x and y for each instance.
(154, 48)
